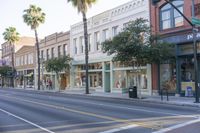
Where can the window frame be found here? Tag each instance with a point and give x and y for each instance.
(171, 17)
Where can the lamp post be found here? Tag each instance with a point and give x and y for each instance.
(154, 2)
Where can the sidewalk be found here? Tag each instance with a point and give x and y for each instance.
(173, 100)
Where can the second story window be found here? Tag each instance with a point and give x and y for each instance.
(169, 17)
(97, 41)
(42, 54)
(59, 51)
(89, 42)
(52, 53)
(75, 46)
(65, 49)
(105, 35)
(114, 31)
(81, 44)
(47, 54)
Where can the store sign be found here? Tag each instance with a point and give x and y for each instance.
(190, 36)
(187, 49)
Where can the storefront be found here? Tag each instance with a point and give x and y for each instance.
(184, 75)
(113, 77)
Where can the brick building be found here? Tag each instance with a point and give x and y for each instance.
(173, 28)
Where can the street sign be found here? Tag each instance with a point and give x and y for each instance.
(196, 21)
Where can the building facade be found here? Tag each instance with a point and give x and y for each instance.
(173, 28)
(54, 45)
(104, 74)
(25, 67)
(7, 52)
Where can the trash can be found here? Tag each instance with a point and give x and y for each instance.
(133, 92)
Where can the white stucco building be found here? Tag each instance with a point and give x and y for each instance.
(104, 74)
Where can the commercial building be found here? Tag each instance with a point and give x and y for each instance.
(104, 74)
(173, 28)
(54, 45)
(7, 52)
(25, 67)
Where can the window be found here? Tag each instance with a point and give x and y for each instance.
(105, 35)
(97, 41)
(47, 54)
(25, 59)
(89, 42)
(42, 54)
(30, 58)
(22, 60)
(81, 44)
(59, 51)
(114, 31)
(170, 18)
(75, 46)
(52, 53)
(65, 49)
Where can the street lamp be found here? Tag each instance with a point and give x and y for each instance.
(154, 2)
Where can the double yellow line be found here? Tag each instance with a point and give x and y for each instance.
(124, 121)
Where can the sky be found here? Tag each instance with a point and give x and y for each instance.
(60, 15)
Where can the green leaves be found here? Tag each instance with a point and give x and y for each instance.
(82, 5)
(136, 45)
(5, 71)
(58, 64)
(34, 16)
(11, 35)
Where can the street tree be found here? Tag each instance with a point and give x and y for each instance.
(58, 64)
(11, 36)
(6, 71)
(33, 17)
(135, 46)
(82, 6)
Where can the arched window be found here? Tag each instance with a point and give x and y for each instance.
(169, 17)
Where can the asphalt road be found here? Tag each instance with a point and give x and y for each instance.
(25, 111)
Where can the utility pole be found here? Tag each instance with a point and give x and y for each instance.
(195, 58)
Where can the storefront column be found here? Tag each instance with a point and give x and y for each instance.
(111, 76)
(72, 77)
(178, 76)
(149, 79)
(103, 77)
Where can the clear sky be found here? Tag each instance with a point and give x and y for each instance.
(59, 15)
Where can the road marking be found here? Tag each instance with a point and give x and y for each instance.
(177, 126)
(126, 121)
(120, 129)
(29, 122)
(127, 108)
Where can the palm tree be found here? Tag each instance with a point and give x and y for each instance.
(11, 36)
(82, 6)
(34, 17)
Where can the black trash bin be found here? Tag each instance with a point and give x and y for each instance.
(133, 92)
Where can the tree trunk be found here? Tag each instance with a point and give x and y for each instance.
(86, 52)
(12, 52)
(38, 57)
(58, 80)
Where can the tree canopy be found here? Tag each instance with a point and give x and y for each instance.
(58, 64)
(11, 35)
(136, 46)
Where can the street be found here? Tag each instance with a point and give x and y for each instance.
(27, 111)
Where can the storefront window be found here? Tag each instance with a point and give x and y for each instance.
(168, 77)
(120, 79)
(138, 79)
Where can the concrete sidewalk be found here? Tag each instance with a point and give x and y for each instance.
(173, 100)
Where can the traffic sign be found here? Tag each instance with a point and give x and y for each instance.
(196, 21)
